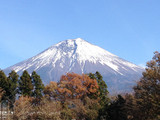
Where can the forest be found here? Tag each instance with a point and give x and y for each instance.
(79, 97)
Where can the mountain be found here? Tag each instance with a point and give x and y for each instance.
(79, 56)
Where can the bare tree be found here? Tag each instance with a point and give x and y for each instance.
(22, 108)
(48, 110)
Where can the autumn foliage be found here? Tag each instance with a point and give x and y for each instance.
(75, 86)
(50, 90)
(80, 97)
(147, 91)
(71, 86)
(22, 108)
(73, 91)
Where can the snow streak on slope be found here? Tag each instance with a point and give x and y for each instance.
(79, 56)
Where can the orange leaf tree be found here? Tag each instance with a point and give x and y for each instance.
(75, 86)
(50, 90)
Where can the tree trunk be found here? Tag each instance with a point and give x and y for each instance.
(8, 114)
(1, 110)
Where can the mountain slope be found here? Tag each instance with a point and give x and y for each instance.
(79, 56)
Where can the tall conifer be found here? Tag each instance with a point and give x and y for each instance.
(102, 88)
(4, 84)
(13, 84)
(25, 84)
(102, 91)
(38, 85)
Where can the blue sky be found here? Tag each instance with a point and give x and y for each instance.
(127, 28)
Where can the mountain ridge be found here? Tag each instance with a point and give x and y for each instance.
(79, 56)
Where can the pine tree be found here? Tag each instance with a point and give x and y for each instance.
(13, 84)
(3, 80)
(25, 84)
(4, 84)
(102, 94)
(116, 110)
(38, 85)
(102, 91)
(92, 76)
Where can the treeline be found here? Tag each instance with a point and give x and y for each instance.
(13, 86)
(81, 97)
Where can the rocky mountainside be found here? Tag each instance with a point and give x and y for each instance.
(79, 56)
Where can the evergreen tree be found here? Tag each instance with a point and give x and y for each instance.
(25, 84)
(116, 110)
(92, 76)
(38, 85)
(131, 109)
(102, 94)
(102, 90)
(4, 84)
(3, 80)
(13, 84)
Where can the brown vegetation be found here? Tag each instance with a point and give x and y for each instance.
(84, 97)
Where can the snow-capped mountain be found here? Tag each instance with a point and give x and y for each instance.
(79, 56)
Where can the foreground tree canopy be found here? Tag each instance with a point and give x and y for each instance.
(81, 97)
(147, 91)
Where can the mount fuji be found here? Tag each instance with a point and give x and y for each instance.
(79, 56)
